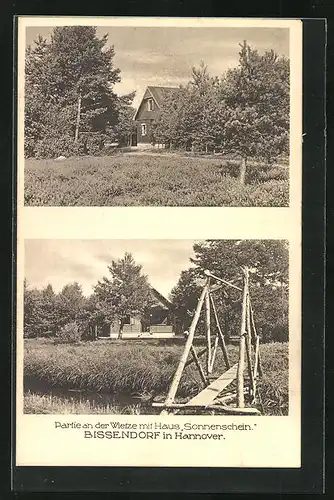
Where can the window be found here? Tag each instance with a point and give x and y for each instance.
(143, 129)
(150, 104)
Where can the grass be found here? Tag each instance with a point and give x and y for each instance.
(141, 369)
(49, 404)
(152, 180)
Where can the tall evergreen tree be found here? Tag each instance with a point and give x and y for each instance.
(256, 96)
(191, 118)
(125, 292)
(69, 84)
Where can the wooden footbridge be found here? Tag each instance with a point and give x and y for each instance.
(233, 384)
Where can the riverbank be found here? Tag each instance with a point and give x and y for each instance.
(103, 376)
(50, 404)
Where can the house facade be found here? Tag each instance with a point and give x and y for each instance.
(148, 111)
(160, 323)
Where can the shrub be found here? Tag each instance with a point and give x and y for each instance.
(149, 180)
(69, 334)
(52, 147)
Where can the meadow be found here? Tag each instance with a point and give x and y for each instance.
(153, 180)
(130, 369)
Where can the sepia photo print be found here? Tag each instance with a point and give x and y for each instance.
(140, 327)
(157, 116)
(158, 314)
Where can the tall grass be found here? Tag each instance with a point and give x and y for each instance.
(149, 180)
(141, 369)
(49, 404)
(126, 368)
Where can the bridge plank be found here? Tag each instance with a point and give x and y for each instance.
(208, 394)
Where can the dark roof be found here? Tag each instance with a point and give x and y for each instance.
(160, 298)
(161, 93)
(158, 94)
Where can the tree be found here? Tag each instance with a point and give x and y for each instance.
(256, 96)
(169, 127)
(125, 292)
(192, 116)
(69, 89)
(184, 297)
(269, 282)
(31, 311)
(125, 126)
(48, 320)
(40, 312)
(69, 303)
(245, 112)
(208, 110)
(92, 315)
(266, 259)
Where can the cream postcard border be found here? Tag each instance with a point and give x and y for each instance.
(276, 441)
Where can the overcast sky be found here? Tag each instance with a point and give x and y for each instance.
(64, 261)
(164, 56)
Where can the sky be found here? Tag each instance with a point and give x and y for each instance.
(64, 261)
(164, 56)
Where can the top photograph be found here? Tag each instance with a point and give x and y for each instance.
(177, 116)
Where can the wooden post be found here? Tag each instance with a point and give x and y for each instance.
(208, 328)
(248, 348)
(77, 125)
(253, 330)
(241, 363)
(257, 346)
(199, 355)
(177, 377)
(199, 366)
(256, 337)
(211, 407)
(210, 275)
(221, 336)
(214, 352)
(95, 336)
(242, 173)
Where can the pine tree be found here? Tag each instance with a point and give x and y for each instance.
(256, 96)
(69, 88)
(125, 292)
(192, 117)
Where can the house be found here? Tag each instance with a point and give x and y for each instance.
(160, 323)
(148, 111)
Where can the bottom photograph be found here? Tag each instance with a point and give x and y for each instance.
(149, 327)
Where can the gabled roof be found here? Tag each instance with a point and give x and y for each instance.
(161, 299)
(159, 94)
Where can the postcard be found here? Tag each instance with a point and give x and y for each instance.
(159, 242)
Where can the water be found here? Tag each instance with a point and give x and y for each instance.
(123, 402)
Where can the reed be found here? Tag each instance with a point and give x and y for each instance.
(141, 368)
